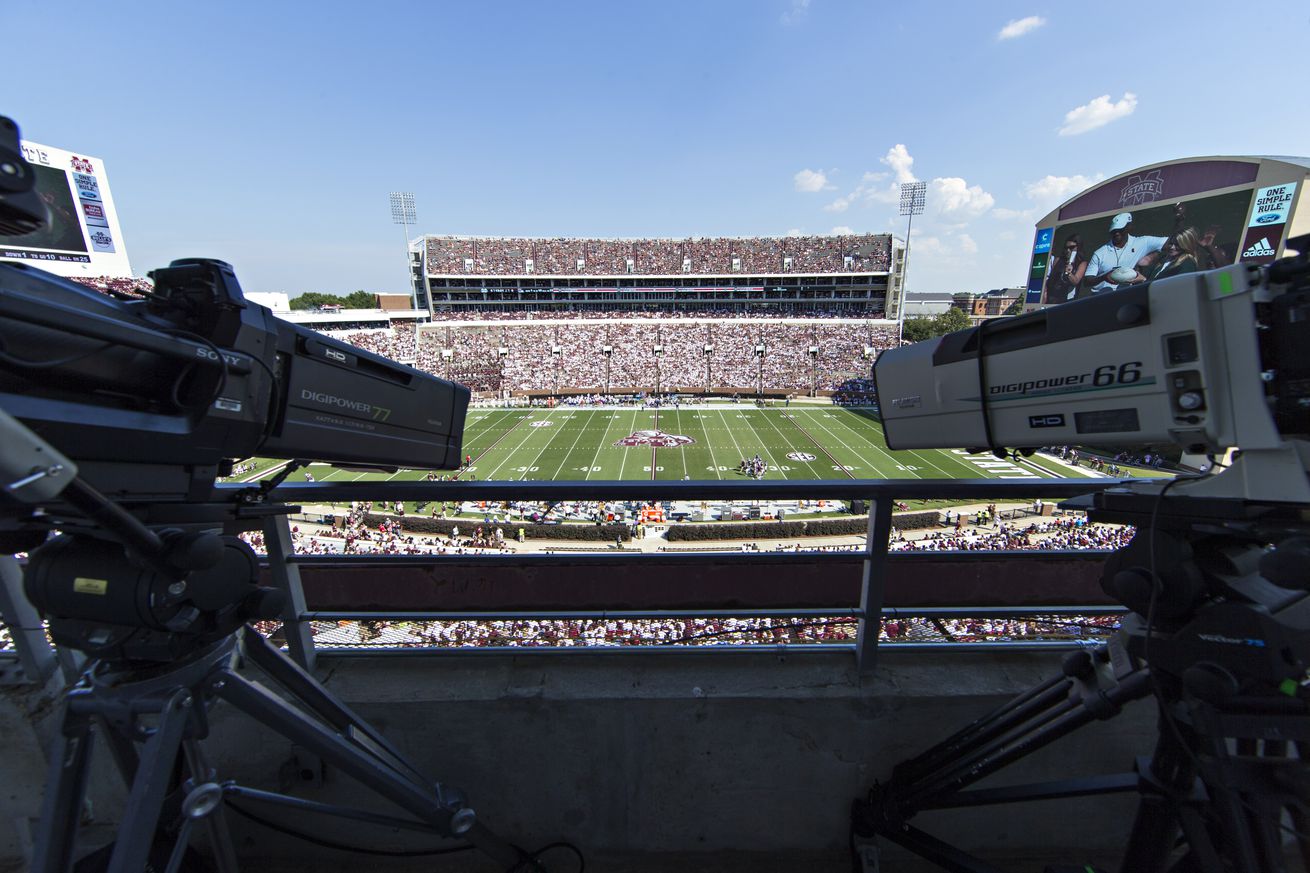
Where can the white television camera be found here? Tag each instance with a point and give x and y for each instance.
(1206, 361)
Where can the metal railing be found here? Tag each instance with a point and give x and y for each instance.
(284, 565)
(881, 496)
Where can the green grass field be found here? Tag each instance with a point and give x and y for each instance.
(797, 443)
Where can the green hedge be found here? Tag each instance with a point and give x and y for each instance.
(785, 530)
(735, 530)
(430, 526)
(916, 520)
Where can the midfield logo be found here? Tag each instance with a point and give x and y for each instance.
(656, 438)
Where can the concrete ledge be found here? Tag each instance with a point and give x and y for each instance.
(696, 763)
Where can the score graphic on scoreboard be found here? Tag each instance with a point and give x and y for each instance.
(83, 237)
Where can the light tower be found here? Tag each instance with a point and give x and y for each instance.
(404, 214)
(913, 197)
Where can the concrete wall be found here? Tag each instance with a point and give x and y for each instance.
(704, 762)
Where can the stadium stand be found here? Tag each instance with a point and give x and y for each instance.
(117, 287)
(716, 256)
(511, 278)
(569, 355)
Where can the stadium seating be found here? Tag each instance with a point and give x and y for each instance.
(716, 256)
(546, 357)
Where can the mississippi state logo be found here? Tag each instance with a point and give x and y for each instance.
(657, 438)
(541, 422)
(800, 456)
(81, 165)
(1146, 188)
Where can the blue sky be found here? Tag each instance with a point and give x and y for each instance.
(269, 134)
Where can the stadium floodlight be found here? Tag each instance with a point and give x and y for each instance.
(402, 208)
(914, 195)
(404, 213)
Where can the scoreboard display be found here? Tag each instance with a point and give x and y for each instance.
(83, 238)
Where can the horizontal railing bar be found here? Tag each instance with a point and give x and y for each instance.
(1000, 611)
(627, 558)
(763, 489)
(774, 649)
(808, 612)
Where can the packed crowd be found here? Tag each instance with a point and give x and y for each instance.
(115, 287)
(500, 256)
(694, 631)
(740, 355)
(1068, 532)
(782, 309)
(396, 343)
(351, 536)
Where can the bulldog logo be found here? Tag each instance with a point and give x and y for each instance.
(657, 438)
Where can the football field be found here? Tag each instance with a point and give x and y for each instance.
(699, 442)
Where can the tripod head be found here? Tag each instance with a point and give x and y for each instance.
(152, 584)
(1219, 591)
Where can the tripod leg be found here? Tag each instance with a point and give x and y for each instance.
(220, 836)
(61, 808)
(1170, 775)
(121, 749)
(149, 789)
(1297, 812)
(305, 688)
(419, 798)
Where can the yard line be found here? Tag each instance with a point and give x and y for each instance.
(604, 441)
(516, 448)
(923, 458)
(654, 449)
(549, 443)
(797, 425)
(821, 447)
(677, 414)
(564, 460)
(493, 425)
(850, 448)
(762, 444)
(927, 459)
(709, 444)
(907, 454)
(497, 442)
(871, 445)
(623, 462)
(731, 433)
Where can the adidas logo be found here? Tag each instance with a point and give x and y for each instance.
(1262, 249)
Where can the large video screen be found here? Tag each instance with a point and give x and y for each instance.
(65, 232)
(83, 238)
(1081, 258)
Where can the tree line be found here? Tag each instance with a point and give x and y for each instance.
(353, 300)
(919, 329)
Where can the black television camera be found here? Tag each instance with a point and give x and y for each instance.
(148, 401)
(116, 417)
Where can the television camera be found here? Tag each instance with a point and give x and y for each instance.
(117, 416)
(1217, 578)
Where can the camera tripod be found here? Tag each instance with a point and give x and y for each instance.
(1226, 662)
(167, 711)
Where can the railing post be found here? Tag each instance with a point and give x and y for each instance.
(871, 589)
(286, 576)
(35, 656)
